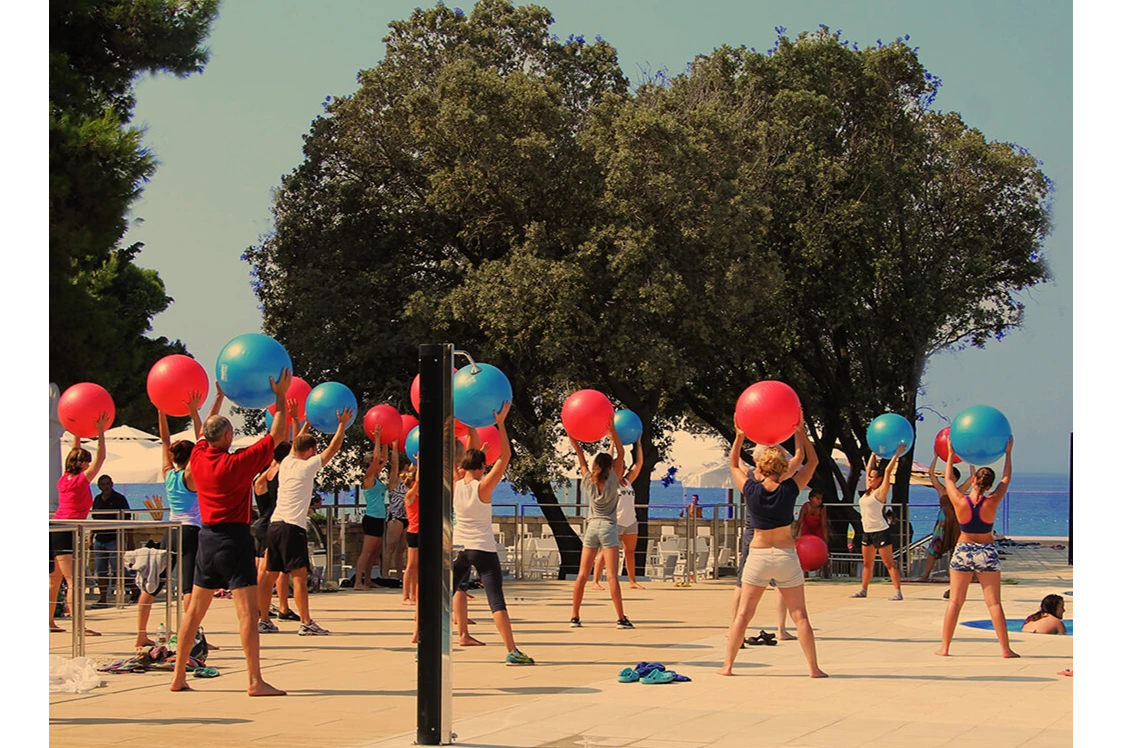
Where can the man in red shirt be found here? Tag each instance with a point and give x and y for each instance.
(226, 557)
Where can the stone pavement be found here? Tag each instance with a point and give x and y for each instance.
(356, 686)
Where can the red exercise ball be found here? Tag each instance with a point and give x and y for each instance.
(415, 395)
(299, 391)
(80, 407)
(587, 415)
(386, 416)
(408, 423)
(941, 445)
(768, 412)
(172, 379)
(489, 442)
(812, 552)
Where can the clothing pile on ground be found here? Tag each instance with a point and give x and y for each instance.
(650, 673)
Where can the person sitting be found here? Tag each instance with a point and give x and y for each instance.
(1048, 620)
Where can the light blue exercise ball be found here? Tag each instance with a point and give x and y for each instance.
(244, 367)
(413, 444)
(324, 401)
(887, 432)
(628, 426)
(979, 434)
(478, 396)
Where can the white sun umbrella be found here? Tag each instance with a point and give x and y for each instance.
(132, 455)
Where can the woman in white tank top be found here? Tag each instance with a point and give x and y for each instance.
(876, 535)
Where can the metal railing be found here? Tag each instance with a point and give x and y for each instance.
(80, 530)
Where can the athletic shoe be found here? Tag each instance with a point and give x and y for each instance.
(518, 658)
(575, 623)
(312, 629)
(288, 615)
(624, 623)
(267, 627)
(273, 609)
(859, 593)
(897, 596)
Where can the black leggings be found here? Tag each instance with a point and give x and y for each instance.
(190, 551)
(491, 574)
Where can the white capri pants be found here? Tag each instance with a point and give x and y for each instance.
(766, 564)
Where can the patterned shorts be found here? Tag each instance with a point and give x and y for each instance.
(975, 557)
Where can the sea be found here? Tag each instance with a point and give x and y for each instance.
(1036, 505)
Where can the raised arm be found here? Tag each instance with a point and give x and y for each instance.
(740, 475)
(955, 495)
(344, 417)
(1007, 471)
(377, 460)
(474, 441)
(216, 406)
(803, 477)
(617, 450)
(637, 462)
(99, 458)
(394, 477)
(493, 476)
(281, 417)
(580, 456)
(934, 479)
(194, 401)
(882, 492)
(165, 442)
(796, 462)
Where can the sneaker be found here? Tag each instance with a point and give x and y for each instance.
(897, 596)
(859, 593)
(575, 622)
(288, 615)
(267, 627)
(624, 623)
(518, 658)
(273, 609)
(312, 629)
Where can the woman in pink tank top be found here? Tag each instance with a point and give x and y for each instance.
(74, 502)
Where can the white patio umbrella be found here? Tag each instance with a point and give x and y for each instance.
(132, 455)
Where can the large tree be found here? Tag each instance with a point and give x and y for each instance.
(101, 303)
(799, 214)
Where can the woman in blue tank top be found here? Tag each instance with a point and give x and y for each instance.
(975, 553)
(374, 518)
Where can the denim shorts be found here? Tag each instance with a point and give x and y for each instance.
(975, 557)
(105, 558)
(601, 533)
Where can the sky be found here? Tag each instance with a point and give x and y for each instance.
(224, 139)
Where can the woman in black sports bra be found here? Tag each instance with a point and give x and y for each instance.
(975, 553)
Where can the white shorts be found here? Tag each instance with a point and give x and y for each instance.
(766, 564)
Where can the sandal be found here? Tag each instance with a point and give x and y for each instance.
(206, 672)
(628, 675)
(754, 641)
(658, 676)
(766, 638)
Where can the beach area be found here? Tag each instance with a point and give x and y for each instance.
(357, 686)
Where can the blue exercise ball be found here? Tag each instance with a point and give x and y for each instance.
(324, 401)
(413, 444)
(478, 396)
(887, 432)
(979, 434)
(628, 426)
(245, 365)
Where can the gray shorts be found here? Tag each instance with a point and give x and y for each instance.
(777, 565)
(632, 529)
(601, 533)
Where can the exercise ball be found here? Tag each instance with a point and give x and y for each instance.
(941, 445)
(415, 392)
(628, 426)
(298, 391)
(324, 401)
(386, 416)
(408, 422)
(413, 444)
(979, 434)
(172, 379)
(477, 395)
(81, 405)
(245, 365)
(490, 439)
(887, 432)
(767, 412)
(459, 429)
(587, 415)
(812, 552)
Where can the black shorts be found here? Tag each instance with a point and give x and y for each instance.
(411, 539)
(62, 543)
(374, 526)
(491, 575)
(190, 535)
(878, 539)
(225, 559)
(403, 520)
(259, 528)
(288, 548)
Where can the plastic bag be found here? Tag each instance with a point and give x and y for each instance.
(73, 676)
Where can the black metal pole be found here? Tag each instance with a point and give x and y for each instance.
(434, 594)
(1070, 498)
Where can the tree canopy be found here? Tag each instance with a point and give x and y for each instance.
(101, 303)
(801, 213)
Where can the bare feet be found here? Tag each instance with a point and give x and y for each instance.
(413, 639)
(409, 601)
(1066, 671)
(471, 641)
(142, 640)
(784, 636)
(635, 586)
(942, 652)
(725, 671)
(817, 673)
(91, 632)
(55, 629)
(596, 586)
(1009, 653)
(360, 587)
(180, 685)
(264, 689)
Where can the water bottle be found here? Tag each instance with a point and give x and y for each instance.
(162, 635)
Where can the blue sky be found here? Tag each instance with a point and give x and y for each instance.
(224, 139)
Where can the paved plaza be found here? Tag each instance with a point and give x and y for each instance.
(356, 687)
